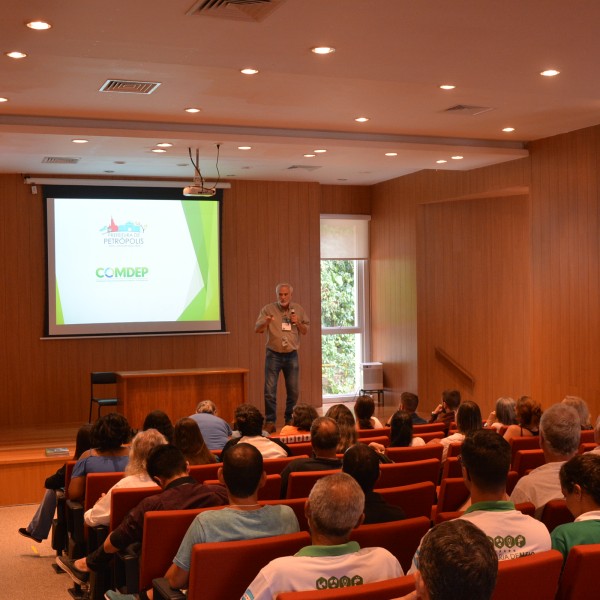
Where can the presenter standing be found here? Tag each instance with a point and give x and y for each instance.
(284, 321)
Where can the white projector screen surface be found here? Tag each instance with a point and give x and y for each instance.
(119, 265)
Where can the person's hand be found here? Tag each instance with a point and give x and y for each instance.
(294, 318)
(380, 448)
(438, 409)
(268, 319)
(491, 419)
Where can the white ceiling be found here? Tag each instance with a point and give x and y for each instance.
(391, 56)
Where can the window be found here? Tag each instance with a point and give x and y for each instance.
(344, 318)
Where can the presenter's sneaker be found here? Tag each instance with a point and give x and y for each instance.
(68, 566)
(270, 427)
(112, 595)
(23, 531)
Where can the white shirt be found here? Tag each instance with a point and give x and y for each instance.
(99, 514)
(268, 448)
(539, 487)
(451, 439)
(323, 567)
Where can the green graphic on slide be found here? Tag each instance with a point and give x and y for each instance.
(203, 217)
(60, 319)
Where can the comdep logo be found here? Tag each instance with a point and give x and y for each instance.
(127, 234)
(122, 273)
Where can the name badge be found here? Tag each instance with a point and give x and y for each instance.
(286, 326)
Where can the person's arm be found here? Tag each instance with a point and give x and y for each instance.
(263, 321)
(300, 323)
(177, 577)
(77, 488)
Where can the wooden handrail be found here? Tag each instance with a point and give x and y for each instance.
(442, 354)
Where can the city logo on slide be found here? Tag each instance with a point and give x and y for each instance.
(127, 234)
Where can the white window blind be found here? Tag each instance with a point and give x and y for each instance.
(344, 237)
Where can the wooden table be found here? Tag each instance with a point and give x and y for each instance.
(178, 391)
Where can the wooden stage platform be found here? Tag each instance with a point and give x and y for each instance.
(23, 462)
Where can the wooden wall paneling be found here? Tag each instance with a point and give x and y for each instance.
(270, 232)
(475, 276)
(566, 255)
(346, 200)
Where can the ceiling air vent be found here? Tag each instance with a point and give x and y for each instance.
(235, 10)
(60, 160)
(129, 87)
(304, 167)
(467, 109)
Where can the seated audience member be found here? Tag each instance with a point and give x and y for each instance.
(409, 403)
(529, 414)
(249, 421)
(468, 420)
(401, 433)
(559, 439)
(108, 454)
(302, 417)
(580, 484)
(364, 409)
(41, 523)
(504, 415)
(244, 519)
(485, 458)
(215, 431)
(188, 438)
(167, 466)
(136, 475)
(456, 562)
(581, 407)
(324, 439)
(334, 507)
(159, 420)
(343, 416)
(362, 463)
(446, 411)
(596, 450)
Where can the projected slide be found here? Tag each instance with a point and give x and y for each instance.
(133, 266)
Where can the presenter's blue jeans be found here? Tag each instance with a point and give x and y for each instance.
(276, 362)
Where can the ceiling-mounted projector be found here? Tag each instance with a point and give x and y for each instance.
(197, 191)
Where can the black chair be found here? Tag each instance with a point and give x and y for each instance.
(100, 378)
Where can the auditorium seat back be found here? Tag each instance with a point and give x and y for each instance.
(556, 513)
(534, 576)
(401, 538)
(409, 454)
(379, 590)
(301, 482)
(393, 475)
(580, 576)
(209, 580)
(416, 499)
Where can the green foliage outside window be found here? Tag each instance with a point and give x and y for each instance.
(338, 309)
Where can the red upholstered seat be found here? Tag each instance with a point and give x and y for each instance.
(415, 499)
(379, 590)
(580, 576)
(393, 475)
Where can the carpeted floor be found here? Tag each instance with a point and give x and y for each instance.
(26, 567)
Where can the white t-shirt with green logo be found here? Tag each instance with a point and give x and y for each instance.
(323, 567)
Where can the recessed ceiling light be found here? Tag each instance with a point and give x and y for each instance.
(16, 54)
(320, 151)
(323, 50)
(182, 165)
(457, 157)
(244, 147)
(192, 110)
(158, 150)
(550, 73)
(164, 145)
(342, 179)
(38, 25)
(391, 154)
(441, 161)
(109, 171)
(309, 155)
(249, 71)
(361, 119)
(80, 141)
(119, 162)
(508, 129)
(3, 99)
(447, 86)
